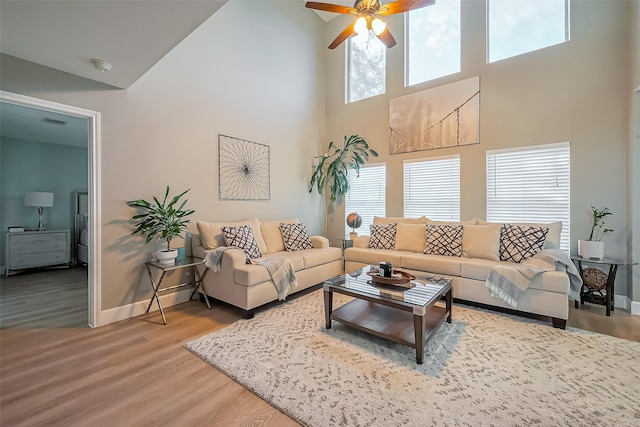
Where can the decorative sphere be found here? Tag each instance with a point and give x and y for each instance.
(354, 220)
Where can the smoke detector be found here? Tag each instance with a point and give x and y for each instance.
(101, 65)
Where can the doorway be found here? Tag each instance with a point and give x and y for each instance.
(94, 164)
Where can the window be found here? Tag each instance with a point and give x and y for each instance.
(433, 41)
(432, 188)
(520, 26)
(366, 67)
(530, 184)
(367, 195)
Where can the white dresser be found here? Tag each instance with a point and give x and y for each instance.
(31, 249)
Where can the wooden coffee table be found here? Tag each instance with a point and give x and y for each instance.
(407, 316)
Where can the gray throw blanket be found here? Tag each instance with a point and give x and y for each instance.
(280, 269)
(509, 282)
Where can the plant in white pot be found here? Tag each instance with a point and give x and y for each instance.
(161, 220)
(593, 247)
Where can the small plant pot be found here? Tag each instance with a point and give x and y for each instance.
(591, 249)
(167, 256)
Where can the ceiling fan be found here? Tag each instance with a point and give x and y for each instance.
(369, 13)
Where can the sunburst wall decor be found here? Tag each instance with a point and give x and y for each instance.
(244, 169)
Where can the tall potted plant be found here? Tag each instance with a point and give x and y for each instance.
(161, 220)
(331, 173)
(593, 247)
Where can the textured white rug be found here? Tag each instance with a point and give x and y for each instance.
(483, 369)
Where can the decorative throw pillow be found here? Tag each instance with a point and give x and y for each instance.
(382, 236)
(295, 237)
(519, 243)
(242, 237)
(444, 240)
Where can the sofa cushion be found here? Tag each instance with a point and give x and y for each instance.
(553, 236)
(368, 256)
(382, 236)
(212, 236)
(272, 235)
(479, 269)
(481, 241)
(472, 221)
(443, 240)
(242, 237)
(295, 237)
(381, 220)
(410, 237)
(315, 257)
(435, 264)
(519, 243)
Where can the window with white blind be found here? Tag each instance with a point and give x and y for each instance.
(530, 184)
(367, 195)
(432, 188)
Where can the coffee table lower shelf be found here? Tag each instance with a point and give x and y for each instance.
(390, 323)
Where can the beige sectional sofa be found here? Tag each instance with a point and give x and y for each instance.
(249, 286)
(547, 295)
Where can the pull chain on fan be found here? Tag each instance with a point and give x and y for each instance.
(368, 14)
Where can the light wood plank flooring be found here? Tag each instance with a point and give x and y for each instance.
(137, 373)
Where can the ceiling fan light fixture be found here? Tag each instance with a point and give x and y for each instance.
(378, 26)
(361, 26)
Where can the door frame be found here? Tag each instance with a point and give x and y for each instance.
(95, 164)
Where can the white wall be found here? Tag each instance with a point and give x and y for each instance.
(36, 166)
(576, 92)
(254, 70)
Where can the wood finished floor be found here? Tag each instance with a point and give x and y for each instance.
(136, 372)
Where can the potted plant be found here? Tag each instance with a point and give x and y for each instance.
(593, 247)
(161, 220)
(331, 173)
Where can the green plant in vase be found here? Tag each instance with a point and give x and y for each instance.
(593, 247)
(162, 220)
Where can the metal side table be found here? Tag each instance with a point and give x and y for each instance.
(593, 293)
(180, 264)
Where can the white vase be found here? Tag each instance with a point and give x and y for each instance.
(167, 256)
(591, 249)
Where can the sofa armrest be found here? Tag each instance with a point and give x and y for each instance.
(361, 242)
(319, 242)
(233, 258)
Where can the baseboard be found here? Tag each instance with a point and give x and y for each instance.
(137, 308)
(626, 303)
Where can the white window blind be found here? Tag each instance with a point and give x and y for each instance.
(367, 195)
(432, 188)
(530, 184)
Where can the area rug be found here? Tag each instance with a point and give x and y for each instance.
(484, 368)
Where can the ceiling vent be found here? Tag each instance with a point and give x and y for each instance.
(54, 122)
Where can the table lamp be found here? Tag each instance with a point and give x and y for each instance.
(41, 200)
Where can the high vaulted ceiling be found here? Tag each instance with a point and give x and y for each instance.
(130, 35)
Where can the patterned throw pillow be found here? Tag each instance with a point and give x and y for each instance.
(295, 237)
(444, 240)
(242, 237)
(519, 243)
(382, 236)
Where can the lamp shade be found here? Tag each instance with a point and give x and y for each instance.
(39, 199)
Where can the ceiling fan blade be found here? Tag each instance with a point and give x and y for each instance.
(350, 30)
(329, 7)
(401, 6)
(386, 38)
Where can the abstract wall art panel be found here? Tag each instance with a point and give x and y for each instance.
(441, 117)
(244, 169)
